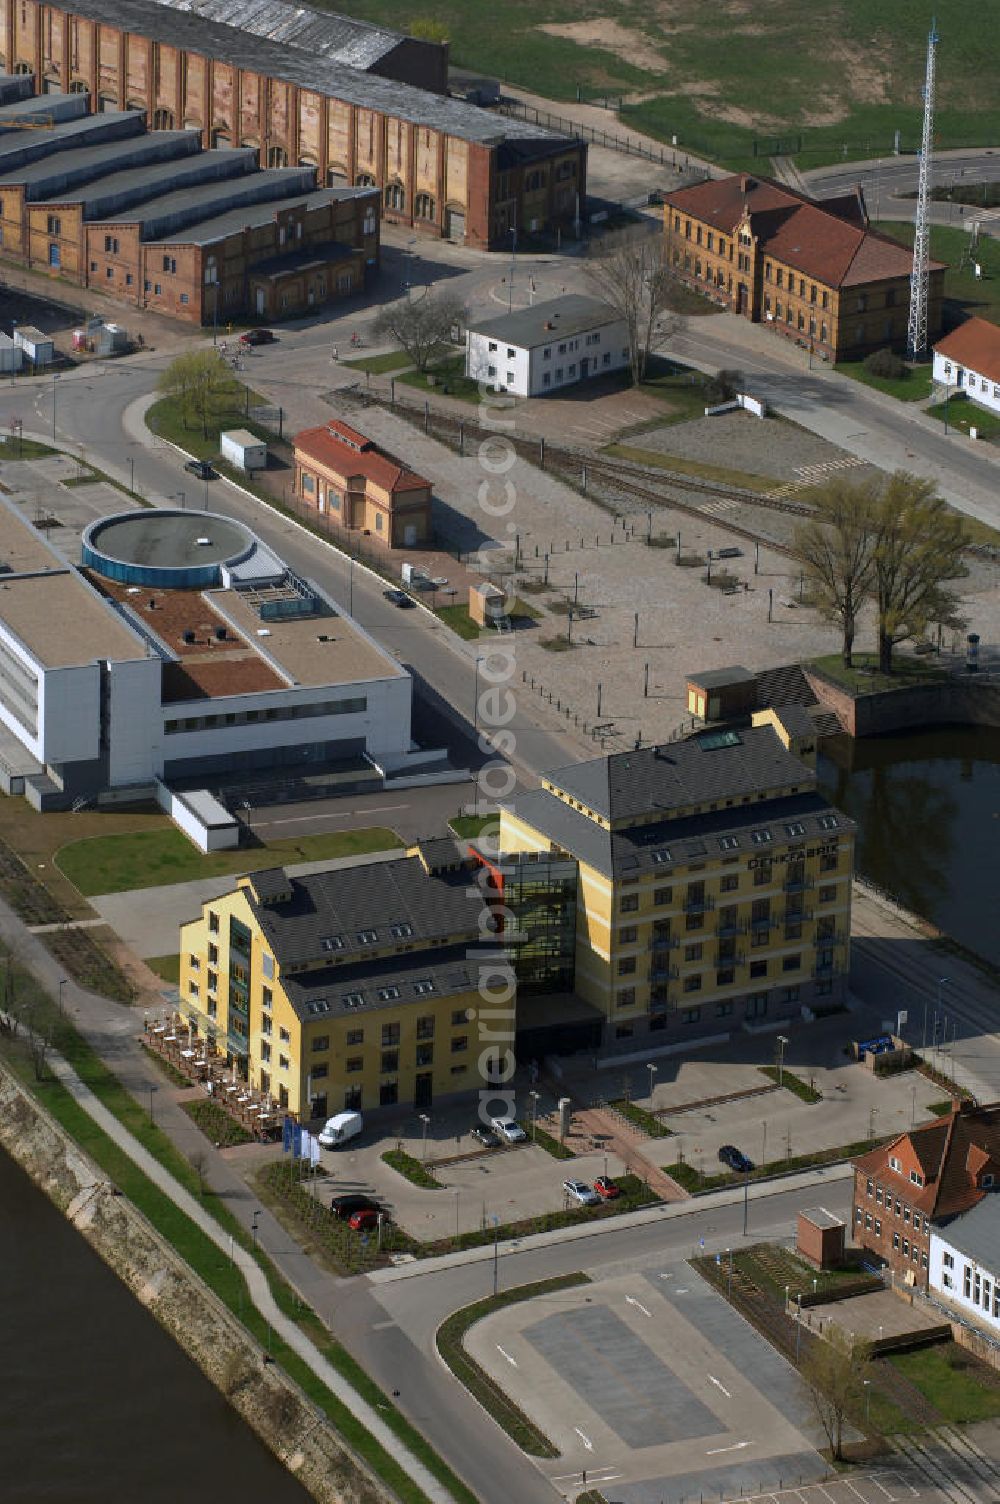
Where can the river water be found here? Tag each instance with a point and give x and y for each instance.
(927, 805)
(97, 1404)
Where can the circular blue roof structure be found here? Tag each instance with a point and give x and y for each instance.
(172, 550)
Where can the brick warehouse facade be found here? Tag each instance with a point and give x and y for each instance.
(441, 166)
(813, 273)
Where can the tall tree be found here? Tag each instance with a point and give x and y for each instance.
(425, 327)
(202, 386)
(837, 548)
(835, 1370)
(631, 272)
(918, 552)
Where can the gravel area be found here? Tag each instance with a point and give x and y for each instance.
(742, 442)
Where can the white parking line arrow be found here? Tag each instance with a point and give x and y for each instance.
(510, 1360)
(713, 1380)
(585, 1439)
(736, 1447)
(630, 1300)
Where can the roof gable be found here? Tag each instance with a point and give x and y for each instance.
(975, 344)
(344, 450)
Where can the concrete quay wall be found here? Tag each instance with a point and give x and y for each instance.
(270, 1403)
(970, 700)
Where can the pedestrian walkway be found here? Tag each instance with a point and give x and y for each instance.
(616, 1138)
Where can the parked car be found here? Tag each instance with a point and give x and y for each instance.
(607, 1188)
(345, 1206)
(735, 1159)
(485, 1136)
(580, 1191)
(340, 1129)
(399, 598)
(509, 1130)
(363, 1220)
(258, 337)
(201, 468)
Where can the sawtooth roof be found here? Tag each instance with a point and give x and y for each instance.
(975, 345)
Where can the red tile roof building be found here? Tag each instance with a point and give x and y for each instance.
(921, 1180)
(815, 273)
(969, 360)
(347, 478)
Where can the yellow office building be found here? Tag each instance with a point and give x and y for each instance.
(351, 988)
(714, 880)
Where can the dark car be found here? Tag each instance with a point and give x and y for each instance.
(399, 598)
(201, 468)
(345, 1206)
(735, 1159)
(485, 1136)
(258, 337)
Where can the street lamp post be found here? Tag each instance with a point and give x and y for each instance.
(131, 473)
(652, 1069)
(496, 1254)
(798, 1328)
(746, 1201)
(253, 1228)
(534, 1111)
(868, 1400)
(62, 1000)
(423, 1141)
(55, 378)
(513, 257)
(152, 1088)
(782, 1042)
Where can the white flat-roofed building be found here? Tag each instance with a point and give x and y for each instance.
(535, 352)
(965, 1263)
(183, 649)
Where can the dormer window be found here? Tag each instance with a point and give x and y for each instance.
(367, 937)
(895, 1164)
(916, 1177)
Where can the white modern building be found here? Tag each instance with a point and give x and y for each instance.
(534, 352)
(182, 648)
(965, 1264)
(968, 361)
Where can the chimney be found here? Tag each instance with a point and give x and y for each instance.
(746, 182)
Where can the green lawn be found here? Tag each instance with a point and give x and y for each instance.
(459, 620)
(962, 290)
(468, 827)
(914, 386)
(958, 412)
(647, 1121)
(167, 967)
(864, 679)
(216, 1124)
(149, 858)
(449, 379)
(379, 365)
(792, 1083)
(962, 1389)
(165, 418)
(844, 78)
(411, 1169)
(12, 448)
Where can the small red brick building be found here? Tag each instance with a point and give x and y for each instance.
(341, 472)
(921, 1180)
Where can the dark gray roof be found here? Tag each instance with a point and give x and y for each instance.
(19, 147)
(716, 678)
(248, 199)
(976, 1233)
(218, 225)
(661, 846)
(116, 193)
(525, 327)
(329, 912)
(442, 851)
(62, 171)
(418, 978)
(360, 44)
(697, 770)
(299, 259)
(229, 44)
(46, 107)
(796, 720)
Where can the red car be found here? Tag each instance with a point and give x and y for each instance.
(363, 1220)
(607, 1188)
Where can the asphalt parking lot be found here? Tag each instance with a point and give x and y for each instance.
(644, 1381)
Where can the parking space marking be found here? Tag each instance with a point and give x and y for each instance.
(585, 1439)
(737, 1446)
(719, 1385)
(812, 1493)
(510, 1360)
(630, 1300)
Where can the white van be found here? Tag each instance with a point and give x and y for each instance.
(340, 1129)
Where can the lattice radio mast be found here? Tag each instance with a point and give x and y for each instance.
(916, 334)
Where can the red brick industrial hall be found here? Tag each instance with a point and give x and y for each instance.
(814, 273)
(362, 105)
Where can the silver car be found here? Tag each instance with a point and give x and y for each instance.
(580, 1191)
(509, 1129)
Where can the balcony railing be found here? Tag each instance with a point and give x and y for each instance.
(666, 942)
(798, 884)
(736, 927)
(725, 962)
(660, 972)
(702, 905)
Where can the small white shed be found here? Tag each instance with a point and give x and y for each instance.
(243, 449)
(11, 355)
(38, 348)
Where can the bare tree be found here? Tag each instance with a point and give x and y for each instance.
(835, 1371)
(837, 548)
(918, 551)
(199, 1163)
(425, 327)
(632, 274)
(39, 1043)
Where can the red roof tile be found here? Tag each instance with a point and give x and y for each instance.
(830, 241)
(976, 345)
(952, 1153)
(347, 452)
